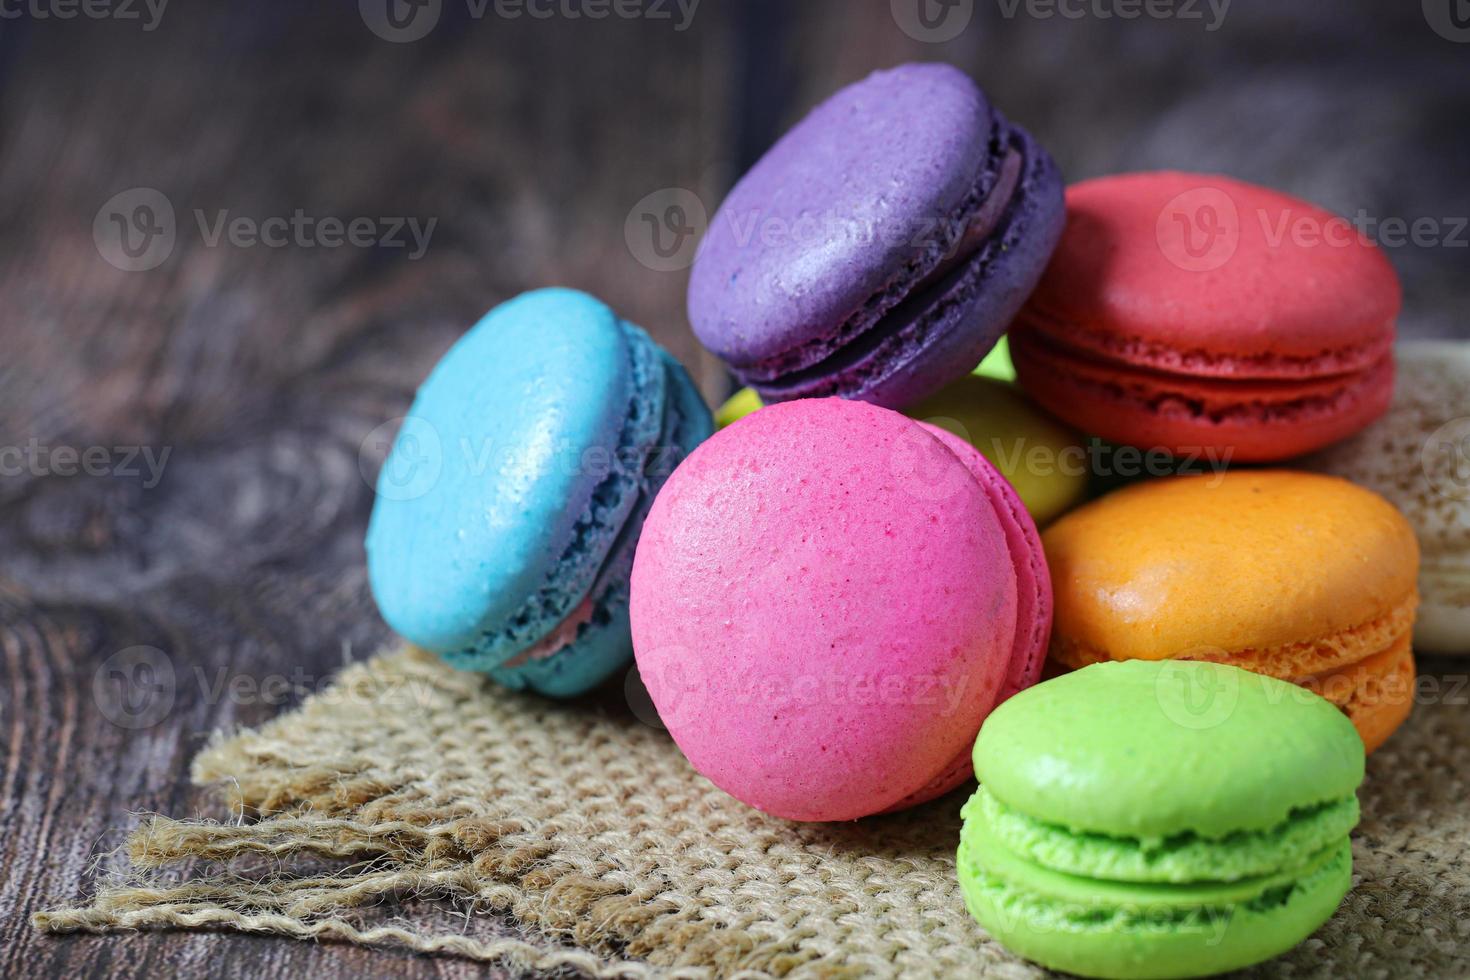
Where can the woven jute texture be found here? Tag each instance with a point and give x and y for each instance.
(407, 781)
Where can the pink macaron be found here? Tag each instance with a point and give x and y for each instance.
(828, 598)
(1194, 312)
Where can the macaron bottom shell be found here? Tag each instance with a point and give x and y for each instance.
(1376, 693)
(1108, 929)
(1253, 421)
(602, 646)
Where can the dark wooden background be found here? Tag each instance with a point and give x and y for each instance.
(264, 372)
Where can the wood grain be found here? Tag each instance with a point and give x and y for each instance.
(265, 373)
(262, 373)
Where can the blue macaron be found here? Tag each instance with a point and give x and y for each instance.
(509, 506)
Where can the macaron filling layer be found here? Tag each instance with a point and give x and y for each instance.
(1285, 661)
(896, 316)
(557, 614)
(1218, 396)
(1084, 925)
(1179, 858)
(1101, 927)
(1073, 901)
(1076, 336)
(593, 640)
(1367, 670)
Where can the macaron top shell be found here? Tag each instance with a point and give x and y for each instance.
(496, 440)
(1216, 277)
(840, 207)
(1154, 750)
(823, 609)
(1232, 561)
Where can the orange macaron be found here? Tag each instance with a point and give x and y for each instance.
(1303, 577)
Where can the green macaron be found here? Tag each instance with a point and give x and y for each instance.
(1160, 819)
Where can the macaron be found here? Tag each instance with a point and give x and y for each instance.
(1418, 457)
(1192, 311)
(1300, 576)
(1159, 819)
(1043, 460)
(881, 247)
(508, 508)
(828, 599)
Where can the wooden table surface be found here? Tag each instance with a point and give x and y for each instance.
(186, 450)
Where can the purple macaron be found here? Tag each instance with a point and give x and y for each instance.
(881, 247)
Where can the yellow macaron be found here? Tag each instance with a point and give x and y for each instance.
(1043, 459)
(1299, 576)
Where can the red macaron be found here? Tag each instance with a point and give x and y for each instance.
(1197, 313)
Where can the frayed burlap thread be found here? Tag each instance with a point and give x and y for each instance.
(408, 782)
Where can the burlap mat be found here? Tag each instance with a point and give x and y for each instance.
(407, 780)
